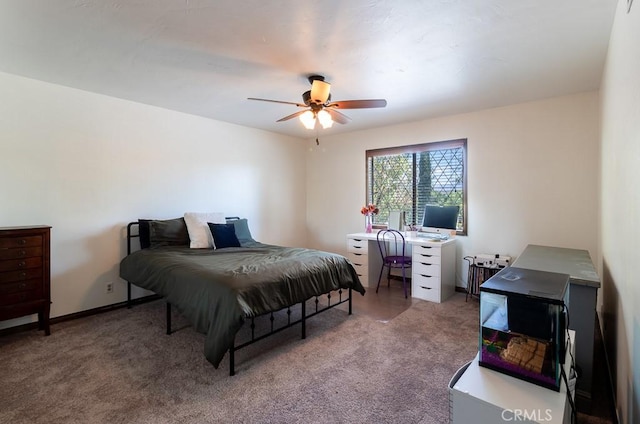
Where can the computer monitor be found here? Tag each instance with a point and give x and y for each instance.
(440, 217)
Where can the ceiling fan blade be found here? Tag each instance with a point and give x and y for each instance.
(320, 91)
(293, 115)
(277, 101)
(358, 104)
(338, 117)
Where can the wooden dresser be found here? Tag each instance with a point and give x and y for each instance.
(25, 273)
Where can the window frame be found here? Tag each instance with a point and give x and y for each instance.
(425, 147)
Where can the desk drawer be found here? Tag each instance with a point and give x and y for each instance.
(426, 258)
(427, 250)
(358, 258)
(425, 268)
(426, 281)
(358, 246)
(360, 263)
(424, 292)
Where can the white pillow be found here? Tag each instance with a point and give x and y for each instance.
(199, 232)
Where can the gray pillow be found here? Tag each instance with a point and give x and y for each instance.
(171, 232)
(242, 230)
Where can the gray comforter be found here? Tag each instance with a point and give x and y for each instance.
(216, 289)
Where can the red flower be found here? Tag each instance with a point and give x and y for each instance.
(369, 209)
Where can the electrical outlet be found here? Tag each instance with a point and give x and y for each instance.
(109, 287)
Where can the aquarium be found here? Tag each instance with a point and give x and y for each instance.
(523, 324)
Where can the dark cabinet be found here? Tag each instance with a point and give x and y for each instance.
(25, 273)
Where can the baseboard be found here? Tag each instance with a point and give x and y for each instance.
(82, 314)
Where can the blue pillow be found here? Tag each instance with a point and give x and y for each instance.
(224, 235)
(242, 230)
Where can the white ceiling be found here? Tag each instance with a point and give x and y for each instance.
(205, 57)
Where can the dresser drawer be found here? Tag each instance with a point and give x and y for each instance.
(27, 274)
(18, 286)
(22, 296)
(26, 241)
(358, 245)
(18, 264)
(25, 252)
(422, 249)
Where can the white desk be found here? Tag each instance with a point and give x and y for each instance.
(433, 274)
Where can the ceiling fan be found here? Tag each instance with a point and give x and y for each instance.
(319, 107)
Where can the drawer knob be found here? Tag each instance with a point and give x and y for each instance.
(356, 247)
(425, 264)
(426, 288)
(22, 253)
(21, 264)
(23, 275)
(22, 241)
(22, 285)
(424, 275)
(427, 256)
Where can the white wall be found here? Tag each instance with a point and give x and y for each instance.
(533, 176)
(88, 164)
(621, 208)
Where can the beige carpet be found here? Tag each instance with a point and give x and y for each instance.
(119, 367)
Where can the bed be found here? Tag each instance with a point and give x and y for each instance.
(218, 290)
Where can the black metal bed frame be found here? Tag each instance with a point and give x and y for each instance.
(252, 319)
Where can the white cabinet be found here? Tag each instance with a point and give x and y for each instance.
(484, 396)
(433, 264)
(357, 252)
(433, 271)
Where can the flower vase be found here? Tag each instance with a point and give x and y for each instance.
(368, 224)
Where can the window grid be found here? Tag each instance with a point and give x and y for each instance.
(408, 178)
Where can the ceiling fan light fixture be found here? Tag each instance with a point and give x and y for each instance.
(325, 119)
(320, 92)
(319, 106)
(308, 119)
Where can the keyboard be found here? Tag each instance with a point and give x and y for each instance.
(434, 236)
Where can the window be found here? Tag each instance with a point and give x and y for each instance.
(409, 177)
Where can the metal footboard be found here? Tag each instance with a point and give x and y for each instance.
(317, 306)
